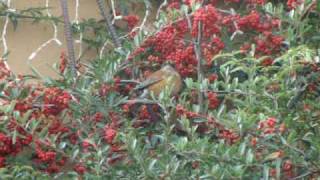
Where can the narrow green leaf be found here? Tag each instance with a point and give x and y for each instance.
(152, 163)
(75, 154)
(249, 156)
(14, 137)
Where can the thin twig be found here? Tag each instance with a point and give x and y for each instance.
(139, 101)
(148, 9)
(20, 16)
(115, 17)
(230, 92)
(163, 4)
(130, 81)
(104, 47)
(141, 26)
(232, 12)
(302, 175)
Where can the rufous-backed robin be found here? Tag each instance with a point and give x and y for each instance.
(166, 77)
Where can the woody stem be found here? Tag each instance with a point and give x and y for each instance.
(68, 36)
(109, 26)
(197, 47)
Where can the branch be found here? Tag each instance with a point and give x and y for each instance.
(69, 39)
(145, 18)
(302, 176)
(197, 49)
(109, 26)
(115, 17)
(165, 3)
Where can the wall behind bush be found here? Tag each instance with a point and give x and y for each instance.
(28, 36)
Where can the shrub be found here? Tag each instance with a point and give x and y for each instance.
(258, 117)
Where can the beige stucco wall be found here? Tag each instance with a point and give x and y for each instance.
(29, 36)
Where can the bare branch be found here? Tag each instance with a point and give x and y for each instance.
(197, 49)
(69, 39)
(145, 18)
(109, 26)
(163, 4)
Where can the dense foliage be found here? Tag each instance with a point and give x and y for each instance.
(259, 74)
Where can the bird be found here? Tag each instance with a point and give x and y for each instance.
(155, 83)
(165, 78)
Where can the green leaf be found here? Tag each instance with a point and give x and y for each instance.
(318, 6)
(25, 117)
(249, 157)
(182, 143)
(36, 72)
(152, 163)
(278, 168)
(272, 156)
(134, 144)
(14, 22)
(242, 149)
(75, 154)
(14, 137)
(189, 82)
(136, 41)
(9, 108)
(266, 172)
(44, 132)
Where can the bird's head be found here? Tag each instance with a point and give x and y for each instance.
(168, 68)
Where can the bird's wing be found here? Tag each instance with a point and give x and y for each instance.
(148, 82)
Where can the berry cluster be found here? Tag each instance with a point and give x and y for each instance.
(55, 101)
(206, 127)
(175, 42)
(268, 125)
(132, 21)
(213, 100)
(63, 62)
(48, 160)
(256, 2)
(292, 4)
(207, 20)
(109, 134)
(9, 147)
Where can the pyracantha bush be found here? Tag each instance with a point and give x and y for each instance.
(260, 101)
